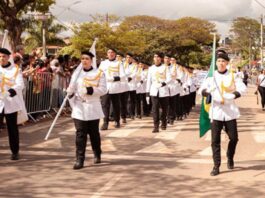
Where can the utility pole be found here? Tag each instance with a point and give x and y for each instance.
(261, 41)
(43, 17)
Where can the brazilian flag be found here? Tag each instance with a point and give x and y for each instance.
(205, 123)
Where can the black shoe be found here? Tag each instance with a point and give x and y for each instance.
(139, 117)
(104, 127)
(215, 171)
(164, 126)
(78, 165)
(156, 129)
(97, 159)
(124, 120)
(230, 164)
(171, 122)
(117, 125)
(132, 117)
(15, 156)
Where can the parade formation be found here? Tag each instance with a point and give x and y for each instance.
(131, 105)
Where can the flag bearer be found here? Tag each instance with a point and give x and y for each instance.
(11, 100)
(223, 88)
(87, 85)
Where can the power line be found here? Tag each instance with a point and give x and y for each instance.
(263, 6)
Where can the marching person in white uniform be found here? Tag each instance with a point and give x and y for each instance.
(141, 78)
(87, 85)
(223, 89)
(131, 75)
(173, 89)
(115, 75)
(124, 90)
(157, 86)
(11, 100)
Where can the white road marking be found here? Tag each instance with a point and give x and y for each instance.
(107, 186)
(158, 147)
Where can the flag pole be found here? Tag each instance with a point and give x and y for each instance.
(213, 69)
(5, 38)
(79, 69)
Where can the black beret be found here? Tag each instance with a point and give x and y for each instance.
(86, 52)
(5, 51)
(167, 55)
(223, 56)
(129, 54)
(220, 51)
(112, 49)
(160, 54)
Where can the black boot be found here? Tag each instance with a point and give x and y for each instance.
(104, 126)
(117, 125)
(97, 158)
(230, 164)
(171, 122)
(124, 120)
(164, 125)
(215, 171)
(156, 129)
(78, 164)
(15, 156)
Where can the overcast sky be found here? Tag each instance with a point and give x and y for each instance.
(221, 12)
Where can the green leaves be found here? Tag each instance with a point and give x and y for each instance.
(144, 35)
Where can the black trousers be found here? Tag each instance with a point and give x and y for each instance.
(13, 133)
(115, 101)
(231, 130)
(262, 95)
(132, 95)
(123, 103)
(156, 104)
(181, 106)
(141, 104)
(83, 128)
(172, 107)
(193, 98)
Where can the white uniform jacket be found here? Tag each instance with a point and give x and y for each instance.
(222, 87)
(11, 78)
(113, 69)
(141, 75)
(124, 83)
(131, 73)
(87, 107)
(156, 76)
(174, 86)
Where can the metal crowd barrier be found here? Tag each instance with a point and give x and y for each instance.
(44, 92)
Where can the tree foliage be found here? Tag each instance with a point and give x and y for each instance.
(11, 12)
(245, 34)
(144, 35)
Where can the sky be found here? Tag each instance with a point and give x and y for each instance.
(220, 12)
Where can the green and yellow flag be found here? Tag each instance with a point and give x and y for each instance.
(205, 123)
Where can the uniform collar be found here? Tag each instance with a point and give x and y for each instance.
(158, 65)
(87, 70)
(111, 60)
(7, 65)
(222, 72)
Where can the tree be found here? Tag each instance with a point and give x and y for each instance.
(245, 34)
(11, 12)
(34, 37)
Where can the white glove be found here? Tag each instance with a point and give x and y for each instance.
(70, 90)
(148, 100)
(229, 96)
